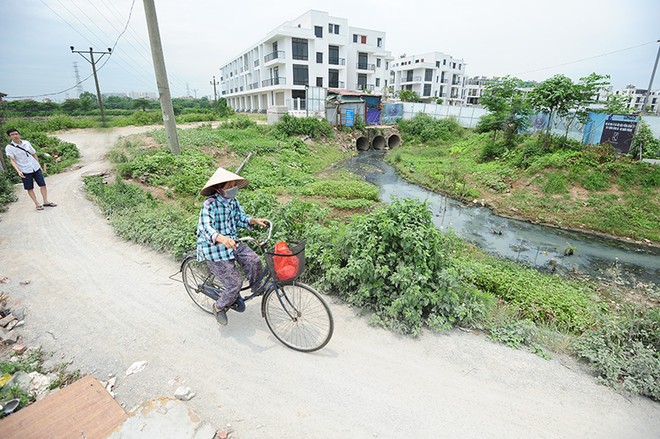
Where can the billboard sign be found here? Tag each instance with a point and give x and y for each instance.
(613, 129)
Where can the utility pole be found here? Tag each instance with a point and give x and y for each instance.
(93, 62)
(161, 77)
(215, 93)
(79, 87)
(648, 90)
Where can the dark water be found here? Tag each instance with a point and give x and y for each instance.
(532, 244)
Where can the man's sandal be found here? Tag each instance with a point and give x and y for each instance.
(50, 204)
(40, 207)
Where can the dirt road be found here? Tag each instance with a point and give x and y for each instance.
(105, 304)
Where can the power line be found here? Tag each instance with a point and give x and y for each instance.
(585, 59)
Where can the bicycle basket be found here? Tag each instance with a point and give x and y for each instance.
(286, 263)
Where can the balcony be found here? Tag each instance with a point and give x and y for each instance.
(337, 61)
(365, 66)
(336, 84)
(360, 86)
(253, 85)
(274, 56)
(273, 81)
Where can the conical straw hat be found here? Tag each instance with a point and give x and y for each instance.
(221, 175)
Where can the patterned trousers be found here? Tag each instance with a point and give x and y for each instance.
(228, 273)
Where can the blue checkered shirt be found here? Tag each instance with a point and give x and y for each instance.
(219, 216)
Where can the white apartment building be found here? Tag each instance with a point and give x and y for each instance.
(314, 49)
(474, 88)
(431, 75)
(635, 98)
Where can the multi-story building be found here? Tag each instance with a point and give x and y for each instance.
(474, 87)
(632, 98)
(314, 49)
(431, 75)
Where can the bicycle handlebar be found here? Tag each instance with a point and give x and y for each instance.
(260, 244)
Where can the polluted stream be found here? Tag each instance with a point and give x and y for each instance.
(546, 248)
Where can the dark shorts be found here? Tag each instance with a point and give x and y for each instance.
(28, 181)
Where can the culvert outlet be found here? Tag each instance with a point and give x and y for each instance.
(393, 141)
(362, 143)
(378, 142)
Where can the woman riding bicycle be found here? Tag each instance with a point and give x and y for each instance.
(217, 235)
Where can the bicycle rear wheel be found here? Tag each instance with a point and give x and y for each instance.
(196, 274)
(298, 316)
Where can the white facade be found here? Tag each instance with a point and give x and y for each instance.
(431, 75)
(635, 98)
(314, 49)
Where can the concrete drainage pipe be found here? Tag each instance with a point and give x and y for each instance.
(393, 141)
(362, 143)
(378, 142)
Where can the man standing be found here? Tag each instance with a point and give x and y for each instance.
(23, 158)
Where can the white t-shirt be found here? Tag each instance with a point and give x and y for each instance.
(26, 162)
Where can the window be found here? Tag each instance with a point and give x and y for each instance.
(318, 31)
(377, 62)
(319, 81)
(319, 57)
(427, 89)
(300, 75)
(363, 61)
(460, 66)
(299, 48)
(453, 65)
(377, 82)
(333, 55)
(444, 62)
(355, 38)
(387, 65)
(409, 75)
(333, 28)
(379, 42)
(363, 39)
(362, 81)
(437, 64)
(333, 78)
(299, 94)
(428, 75)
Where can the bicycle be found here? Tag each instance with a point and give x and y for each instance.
(295, 313)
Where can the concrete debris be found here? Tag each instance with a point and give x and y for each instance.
(19, 349)
(184, 393)
(6, 320)
(25, 282)
(136, 367)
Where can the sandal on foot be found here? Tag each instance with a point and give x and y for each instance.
(50, 204)
(40, 207)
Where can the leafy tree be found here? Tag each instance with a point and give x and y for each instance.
(70, 106)
(88, 101)
(508, 107)
(585, 92)
(616, 104)
(554, 96)
(409, 96)
(646, 141)
(141, 104)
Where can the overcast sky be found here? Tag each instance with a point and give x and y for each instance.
(525, 38)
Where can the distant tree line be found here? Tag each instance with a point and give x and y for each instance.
(87, 105)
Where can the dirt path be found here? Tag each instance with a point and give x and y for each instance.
(105, 304)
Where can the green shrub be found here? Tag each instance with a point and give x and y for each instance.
(239, 122)
(305, 126)
(396, 263)
(342, 189)
(7, 194)
(425, 128)
(540, 298)
(625, 350)
(555, 184)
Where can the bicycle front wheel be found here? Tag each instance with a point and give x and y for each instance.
(196, 274)
(298, 316)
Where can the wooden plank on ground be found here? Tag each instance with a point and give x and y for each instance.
(83, 409)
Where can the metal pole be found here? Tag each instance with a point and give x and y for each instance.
(161, 77)
(648, 90)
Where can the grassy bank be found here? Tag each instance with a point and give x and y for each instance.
(556, 182)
